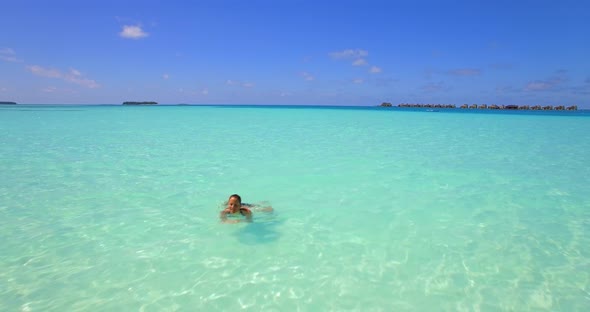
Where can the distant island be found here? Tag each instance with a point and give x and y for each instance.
(7, 103)
(140, 103)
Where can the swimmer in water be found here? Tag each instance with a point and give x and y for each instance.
(235, 207)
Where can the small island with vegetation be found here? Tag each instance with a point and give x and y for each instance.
(140, 103)
(7, 103)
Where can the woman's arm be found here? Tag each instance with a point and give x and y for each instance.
(248, 215)
(223, 216)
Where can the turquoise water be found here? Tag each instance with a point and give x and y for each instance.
(116, 209)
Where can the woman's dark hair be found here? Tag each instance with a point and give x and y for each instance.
(236, 196)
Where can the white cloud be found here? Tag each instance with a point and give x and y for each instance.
(551, 83)
(307, 76)
(7, 51)
(349, 53)
(240, 83)
(73, 76)
(502, 66)
(8, 55)
(165, 76)
(205, 92)
(465, 72)
(133, 32)
(435, 87)
(44, 72)
(49, 89)
(538, 86)
(375, 70)
(358, 81)
(3, 89)
(359, 62)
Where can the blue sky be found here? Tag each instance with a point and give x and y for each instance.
(296, 52)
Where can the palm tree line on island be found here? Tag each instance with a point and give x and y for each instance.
(140, 103)
(484, 106)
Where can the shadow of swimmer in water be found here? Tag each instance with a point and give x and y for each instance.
(262, 231)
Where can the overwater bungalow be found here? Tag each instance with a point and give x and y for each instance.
(484, 106)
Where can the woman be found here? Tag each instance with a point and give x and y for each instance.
(236, 208)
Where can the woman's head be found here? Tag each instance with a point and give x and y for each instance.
(236, 196)
(234, 202)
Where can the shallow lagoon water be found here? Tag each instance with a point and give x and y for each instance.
(116, 208)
